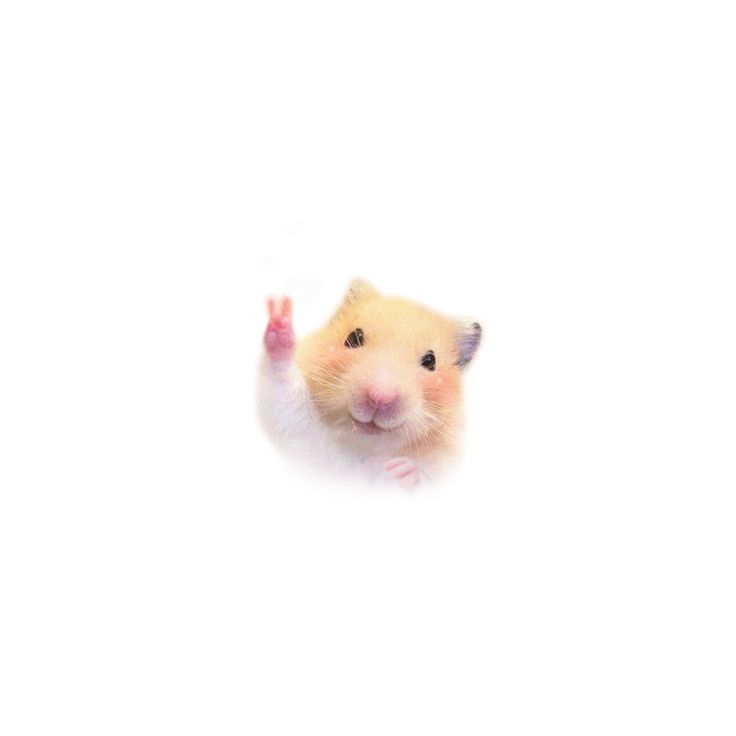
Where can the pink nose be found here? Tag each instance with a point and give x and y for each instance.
(383, 398)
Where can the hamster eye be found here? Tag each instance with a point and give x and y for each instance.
(429, 361)
(354, 339)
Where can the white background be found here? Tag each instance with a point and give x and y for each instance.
(561, 172)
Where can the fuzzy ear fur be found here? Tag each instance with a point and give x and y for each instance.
(468, 340)
(357, 290)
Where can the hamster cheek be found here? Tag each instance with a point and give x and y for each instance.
(334, 375)
(334, 362)
(330, 358)
(440, 388)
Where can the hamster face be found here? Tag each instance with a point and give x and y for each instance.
(386, 372)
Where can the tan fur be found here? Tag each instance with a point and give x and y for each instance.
(398, 333)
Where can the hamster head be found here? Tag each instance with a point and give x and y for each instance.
(386, 372)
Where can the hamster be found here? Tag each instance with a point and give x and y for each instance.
(375, 393)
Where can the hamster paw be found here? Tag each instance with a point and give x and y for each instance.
(403, 470)
(279, 338)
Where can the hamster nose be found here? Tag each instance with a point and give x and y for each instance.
(384, 399)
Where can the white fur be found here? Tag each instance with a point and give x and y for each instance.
(291, 418)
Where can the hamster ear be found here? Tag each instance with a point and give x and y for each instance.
(358, 290)
(467, 340)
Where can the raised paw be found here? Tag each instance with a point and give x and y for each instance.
(279, 336)
(403, 470)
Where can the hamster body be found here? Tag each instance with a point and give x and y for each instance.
(375, 393)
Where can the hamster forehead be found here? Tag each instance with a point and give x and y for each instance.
(399, 325)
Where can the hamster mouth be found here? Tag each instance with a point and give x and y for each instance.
(371, 427)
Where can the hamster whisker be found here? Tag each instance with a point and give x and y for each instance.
(323, 382)
(437, 428)
(417, 438)
(325, 375)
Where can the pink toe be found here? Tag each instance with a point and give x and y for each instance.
(395, 462)
(409, 481)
